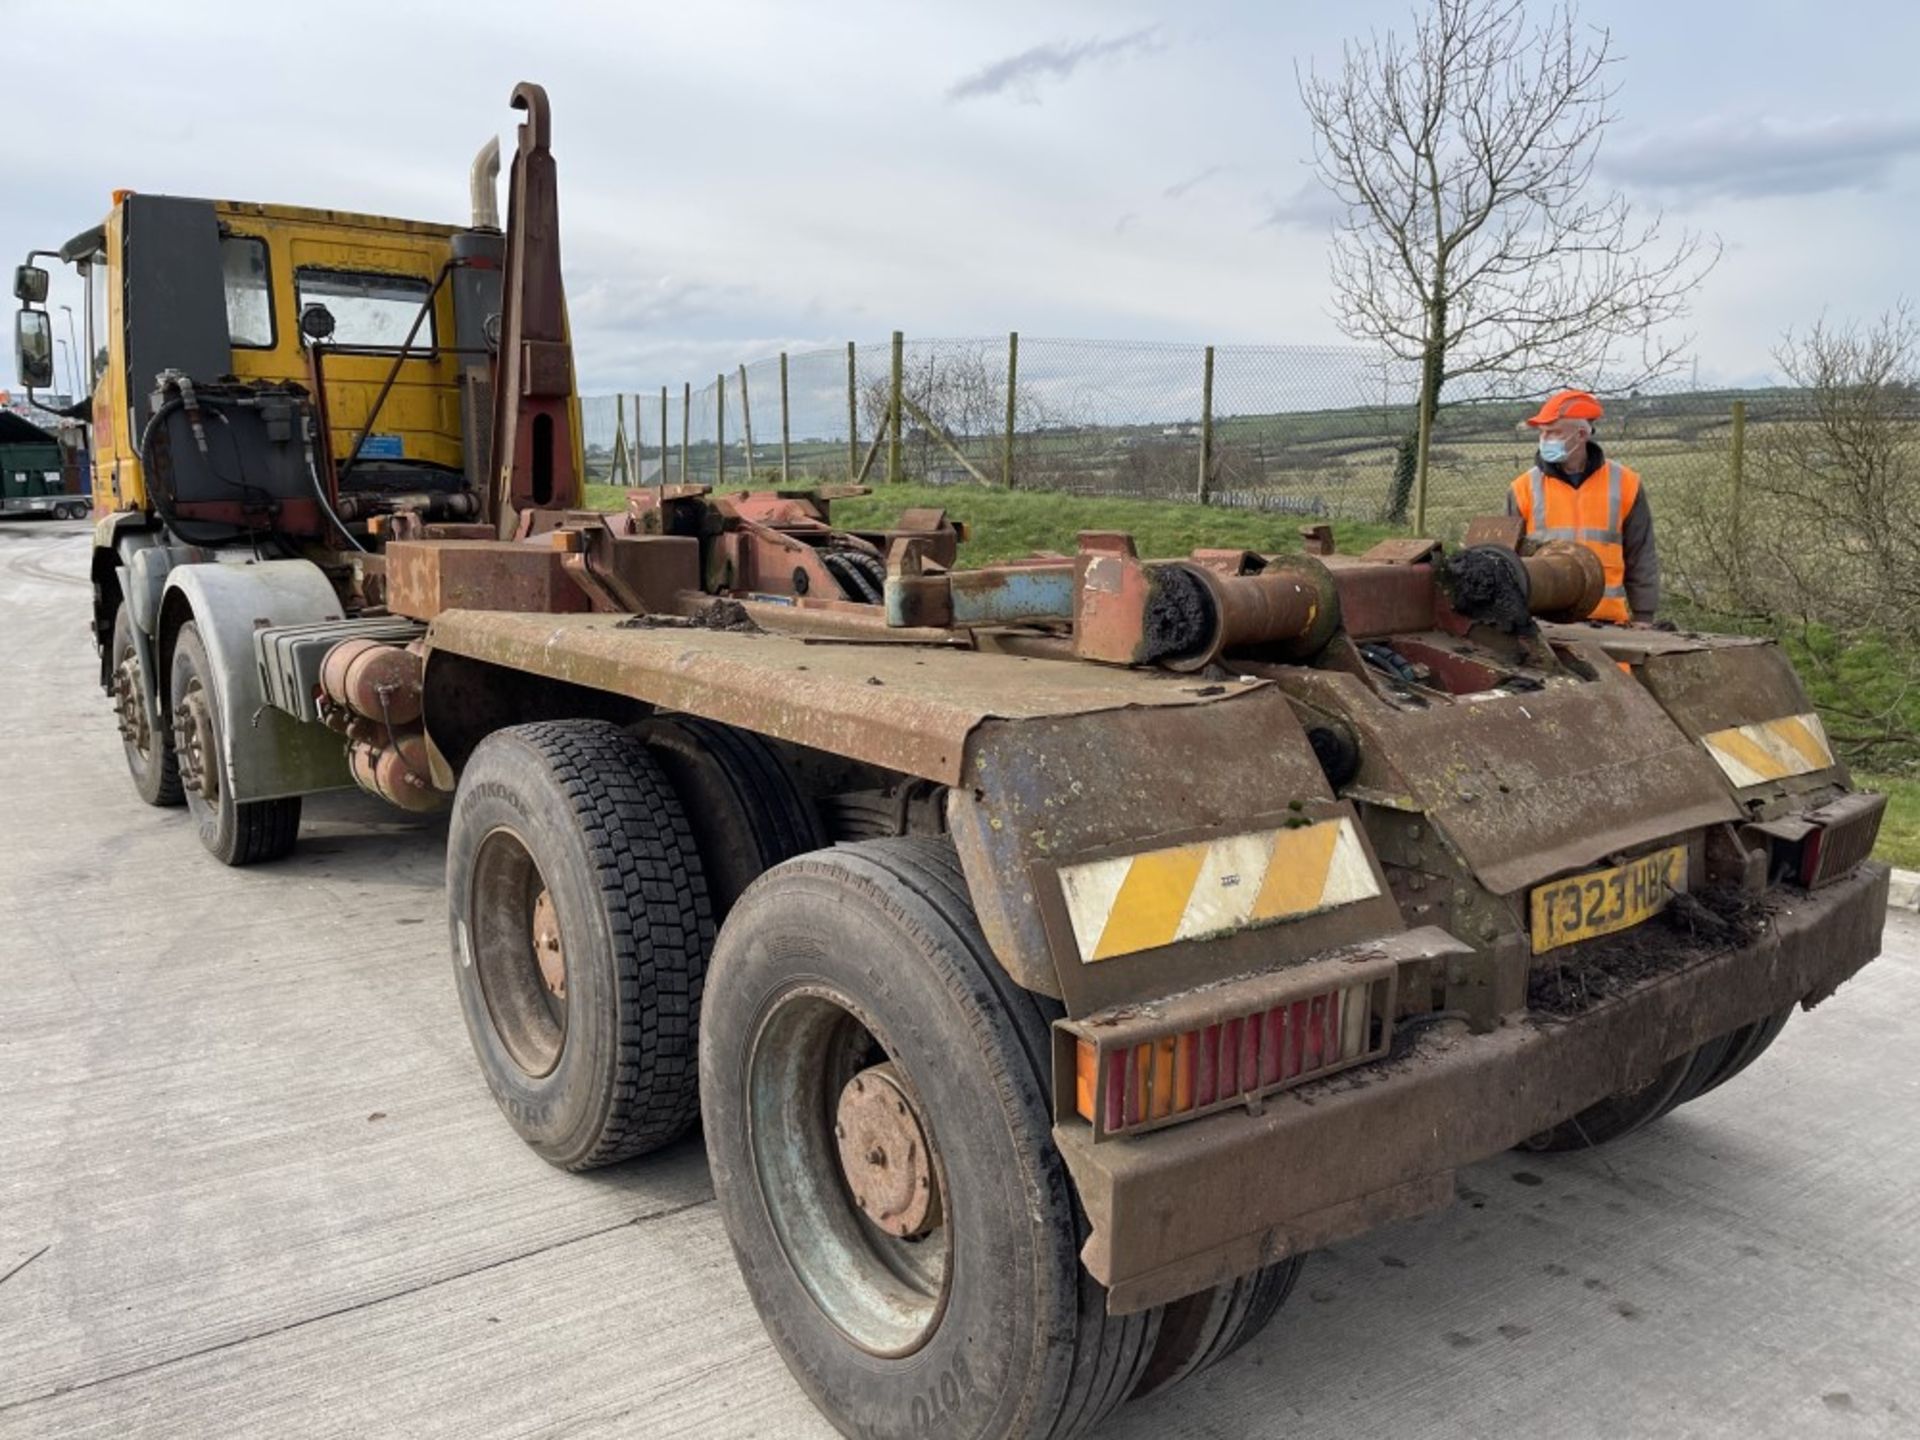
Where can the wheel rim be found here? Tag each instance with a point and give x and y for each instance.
(130, 706)
(847, 1167)
(517, 952)
(197, 747)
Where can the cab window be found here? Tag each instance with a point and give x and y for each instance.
(370, 312)
(97, 320)
(243, 272)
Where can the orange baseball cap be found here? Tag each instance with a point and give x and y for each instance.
(1567, 405)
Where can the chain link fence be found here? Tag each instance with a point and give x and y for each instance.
(1321, 432)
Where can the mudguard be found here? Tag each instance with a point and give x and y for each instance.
(268, 752)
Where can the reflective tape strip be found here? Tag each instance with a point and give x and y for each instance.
(1613, 500)
(1539, 516)
(1140, 902)
(1570, 532)
(1615, 592)
(1771, 749)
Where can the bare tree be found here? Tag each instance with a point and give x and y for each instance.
(1825, 544)
(955, 397)
(1474, 243)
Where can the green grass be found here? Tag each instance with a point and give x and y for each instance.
(1007, 524)
(1900, 830)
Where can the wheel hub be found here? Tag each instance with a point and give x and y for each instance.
(884, 1154)
(129, 705)
(546, 946)
(193, 743)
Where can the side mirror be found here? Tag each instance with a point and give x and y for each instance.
(29, 284)
(33, 348)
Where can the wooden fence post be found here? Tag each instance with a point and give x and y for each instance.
(786, 429)
(617, 465)
(1739, 458)
(893, 408)
(746, 421)
(720, 431)
(1205, 491)
(853, 416)
(1013, 390)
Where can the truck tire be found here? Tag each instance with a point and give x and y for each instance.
(580, 928)
(863, 1054)
(1618, 1115)
(1749, 1043)
(235, 832)
(1204, 1329)
(149, 747)
(1685, 1079)
(740, 800)
(1706, 1063)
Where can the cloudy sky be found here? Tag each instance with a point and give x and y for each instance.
(740, 179)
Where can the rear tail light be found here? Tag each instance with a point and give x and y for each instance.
(1816, 847)
(1140, 1067)
(1844, 835)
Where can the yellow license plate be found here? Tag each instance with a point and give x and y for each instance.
(1603, 901)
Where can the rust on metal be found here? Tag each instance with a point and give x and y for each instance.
(425, 577)
(1565, 581)
(1401, 551)
(885, 1154)
(373, 679)
(1049, 792)
(1378, 599)
(533, 438)
(195, 746)
(1334, 1159)
(547, 951)
(1184, 615)
(885, 705)
(1502, 530)
(1525, 785)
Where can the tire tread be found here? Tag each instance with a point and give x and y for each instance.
(1111, 1351)
(642, 853)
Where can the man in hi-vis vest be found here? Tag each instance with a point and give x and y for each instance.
(1574, 492)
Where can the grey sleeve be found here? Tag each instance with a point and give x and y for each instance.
(1513, 505)
(1643, 558)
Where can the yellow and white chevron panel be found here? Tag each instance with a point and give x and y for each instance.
(1139, 902)
(1771, 749)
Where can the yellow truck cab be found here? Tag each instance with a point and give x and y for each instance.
(217, 288)
(274, 392)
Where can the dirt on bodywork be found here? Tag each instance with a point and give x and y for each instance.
(728, 615)
(1693, 927)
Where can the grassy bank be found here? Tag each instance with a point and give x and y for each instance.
(1007, 524)
(1900, 831)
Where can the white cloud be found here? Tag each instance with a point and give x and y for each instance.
(1310, 206)
(1021, 74)
(1724, 157)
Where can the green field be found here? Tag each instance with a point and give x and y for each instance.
(1335, 463)
(1005, 525)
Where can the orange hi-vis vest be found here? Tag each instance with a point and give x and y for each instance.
(1589, 513)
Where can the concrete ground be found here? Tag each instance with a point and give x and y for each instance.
(251, 1184)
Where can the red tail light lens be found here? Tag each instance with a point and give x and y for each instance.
(1129, 1076)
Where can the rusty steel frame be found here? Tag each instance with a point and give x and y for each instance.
(1200, 1203)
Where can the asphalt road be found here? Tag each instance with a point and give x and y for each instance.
(251, 1183)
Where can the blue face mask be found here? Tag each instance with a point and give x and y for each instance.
(1553, 451)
